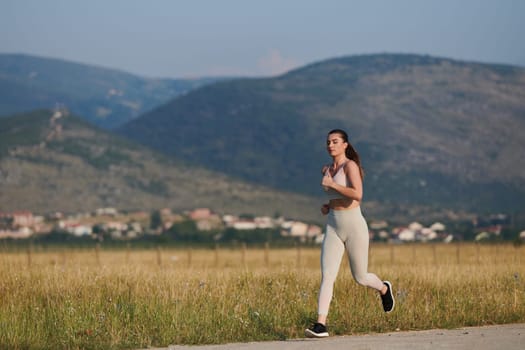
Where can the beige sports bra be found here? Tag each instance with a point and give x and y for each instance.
(340, 178)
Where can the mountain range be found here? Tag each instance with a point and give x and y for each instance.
(431, 131)
(435, 136)
(105, 97)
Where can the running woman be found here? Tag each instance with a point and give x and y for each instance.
(346, 229)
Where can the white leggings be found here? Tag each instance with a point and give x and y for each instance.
(344, 229)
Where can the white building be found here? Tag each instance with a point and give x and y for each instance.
(407, 235)
(244, 225)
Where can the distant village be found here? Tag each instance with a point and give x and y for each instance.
(134, 225)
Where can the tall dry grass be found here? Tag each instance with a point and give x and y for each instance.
(100, 299)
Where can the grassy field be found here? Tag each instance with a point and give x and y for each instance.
(117, 299)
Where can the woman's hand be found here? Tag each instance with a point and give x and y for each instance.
(325, 209)
(328, 181)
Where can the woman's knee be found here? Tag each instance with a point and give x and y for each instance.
(362, 279)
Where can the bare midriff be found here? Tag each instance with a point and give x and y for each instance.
(343, 204)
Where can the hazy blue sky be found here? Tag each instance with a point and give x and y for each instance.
(170, 38)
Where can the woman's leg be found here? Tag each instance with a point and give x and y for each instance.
(331, 255)
(357, 249)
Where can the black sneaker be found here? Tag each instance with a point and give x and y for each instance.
(318, 330)
(388, 299)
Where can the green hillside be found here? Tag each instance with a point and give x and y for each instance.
(431, 131)
(105, 97)
(58, 162)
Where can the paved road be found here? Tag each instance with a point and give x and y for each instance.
(500, 337)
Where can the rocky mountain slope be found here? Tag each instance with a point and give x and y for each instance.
(54, 161)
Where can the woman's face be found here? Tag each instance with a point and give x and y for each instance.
(335, 145)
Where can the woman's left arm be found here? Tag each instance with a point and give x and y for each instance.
(355, 190)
